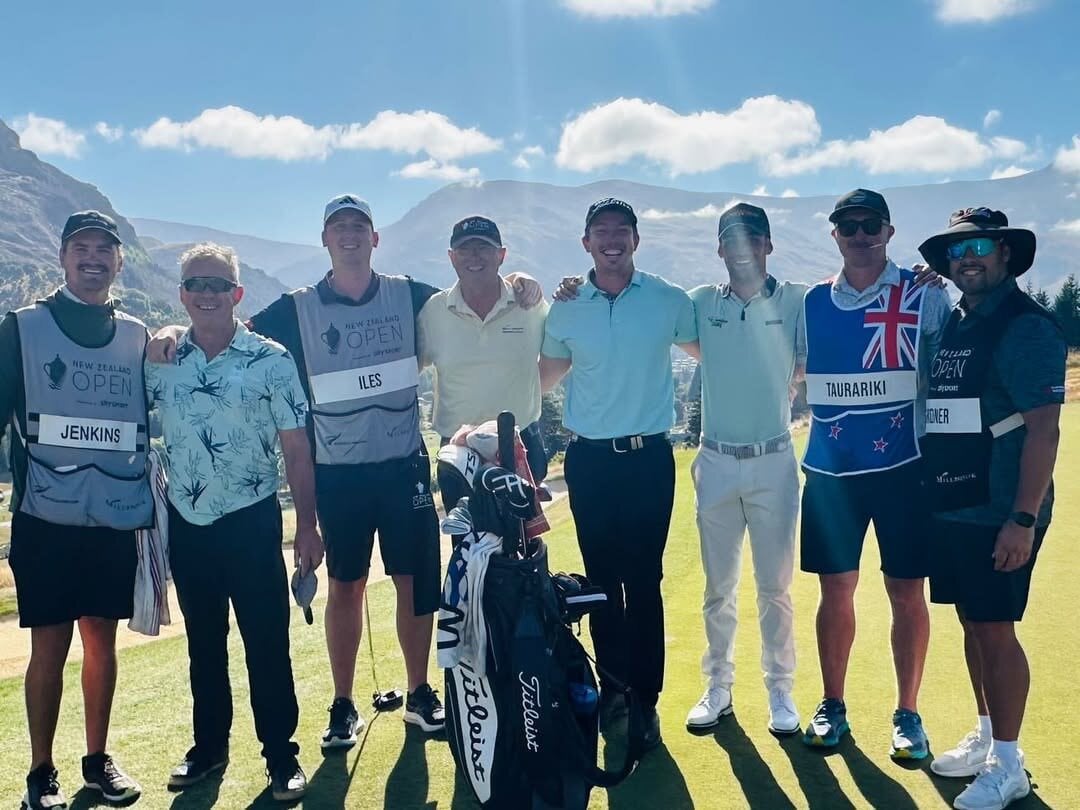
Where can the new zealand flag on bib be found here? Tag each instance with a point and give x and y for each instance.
(861, 379)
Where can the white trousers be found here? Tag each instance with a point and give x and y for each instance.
(760, 494)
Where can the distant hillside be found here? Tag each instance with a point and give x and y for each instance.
(266, 254)
(36, 199)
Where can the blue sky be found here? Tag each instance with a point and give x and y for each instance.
(248, 116)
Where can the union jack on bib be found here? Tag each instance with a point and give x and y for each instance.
(894, 317)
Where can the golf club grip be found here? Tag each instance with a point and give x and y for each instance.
(506, 425)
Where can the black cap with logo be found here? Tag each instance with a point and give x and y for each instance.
(476, 228)
(90, 220)
(860, 198)
(747, 216)
(610, 204)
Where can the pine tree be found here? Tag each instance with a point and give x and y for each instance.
(1067, 309)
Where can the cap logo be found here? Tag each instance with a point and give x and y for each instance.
(347, 200)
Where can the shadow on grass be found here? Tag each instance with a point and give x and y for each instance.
(329, 784)
(407, 784)
(950, 788)
(821, 788)
(756, 780)
(200, 795)
(86, 798)
(656, 782)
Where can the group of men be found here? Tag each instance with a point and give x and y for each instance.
(925, 420)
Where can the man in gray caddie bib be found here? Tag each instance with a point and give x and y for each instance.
(71, 386)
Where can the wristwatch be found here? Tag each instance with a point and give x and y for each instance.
(1025, 519)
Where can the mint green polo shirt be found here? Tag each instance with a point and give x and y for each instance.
(749, 350)
(620, 381)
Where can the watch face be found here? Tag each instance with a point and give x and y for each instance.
(1025, 519)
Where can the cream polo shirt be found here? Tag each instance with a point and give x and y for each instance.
(484, 366)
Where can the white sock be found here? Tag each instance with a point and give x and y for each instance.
(985, 728)
(1007, 753)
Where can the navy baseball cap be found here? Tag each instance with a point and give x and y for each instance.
(610, 204)
(860, 198)
(476, 228)
(747, 216)
(90, 220)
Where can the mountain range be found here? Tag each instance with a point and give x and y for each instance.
(541, 225)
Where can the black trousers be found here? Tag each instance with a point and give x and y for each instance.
(621, 504)
(236, 558)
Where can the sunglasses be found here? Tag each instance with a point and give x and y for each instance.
(848, 227)
(210, 284)
(980, 246)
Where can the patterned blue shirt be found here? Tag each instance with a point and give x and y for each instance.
(220, 420)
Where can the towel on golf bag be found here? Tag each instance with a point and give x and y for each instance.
(152, 573)
(461, 629)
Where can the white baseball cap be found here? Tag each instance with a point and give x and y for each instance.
(344, 201)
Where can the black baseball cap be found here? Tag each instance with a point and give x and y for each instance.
(610, 204)
(87, 220)
(861, 198)
(476, 228)
(747, 216)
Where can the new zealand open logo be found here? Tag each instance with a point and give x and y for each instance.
(56, 371)
(332, 338)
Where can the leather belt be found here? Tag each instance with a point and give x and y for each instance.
(623, 444)
(741, 451)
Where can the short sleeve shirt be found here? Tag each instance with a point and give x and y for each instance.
(482, 365)
(220, 419)
(749, 350)
(1027, 372)
(620, 381)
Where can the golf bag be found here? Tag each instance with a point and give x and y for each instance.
(522, 713)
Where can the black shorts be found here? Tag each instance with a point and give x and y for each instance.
(962, 573)
(394, 499)
(837, 510)
(63, 573)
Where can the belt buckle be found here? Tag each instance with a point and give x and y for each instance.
(635, 442)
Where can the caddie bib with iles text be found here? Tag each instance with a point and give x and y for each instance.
(85, 425)
(362, 374)
(959, 440)
(862, 379)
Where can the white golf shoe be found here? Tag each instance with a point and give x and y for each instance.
(995, 788)
(714, 704)
(968, 758)
(783, 717)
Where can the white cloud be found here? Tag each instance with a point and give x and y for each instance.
(789, 192)
(1068, 158)
(920, 144)
(991, 118)
(244, 134)
(432, 169)
(981, 11)
(416, 132)
(47, 136)
(636, 8)
(527, 155)
(1069, 227)
(760, 191)
(624, 129)
(1008, 171)
(110, 134)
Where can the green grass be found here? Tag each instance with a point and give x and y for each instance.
(741, 765)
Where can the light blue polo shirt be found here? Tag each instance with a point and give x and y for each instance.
(749, 350)
(620, 381)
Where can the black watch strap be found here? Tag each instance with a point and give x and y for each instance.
(1025, 519)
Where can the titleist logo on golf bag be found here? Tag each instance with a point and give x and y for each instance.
(479, 710)
(530, 705)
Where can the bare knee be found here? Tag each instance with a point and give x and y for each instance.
(344, 592)
(906, 595)
(992, 636)
(837, 589)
